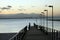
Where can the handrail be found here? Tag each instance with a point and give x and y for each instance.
(56, 33)
(20, 34)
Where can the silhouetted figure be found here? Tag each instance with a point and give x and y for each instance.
(29, 26)
(34, 24)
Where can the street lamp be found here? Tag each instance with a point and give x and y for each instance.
(42, 18)
(52, 20)
(46, 19)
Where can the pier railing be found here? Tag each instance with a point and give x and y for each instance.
(19, 35)
(46, 30)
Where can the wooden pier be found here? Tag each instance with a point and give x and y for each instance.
(35, 33)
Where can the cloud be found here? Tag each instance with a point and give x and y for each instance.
(9, 6)
(6, 8)
(21, 9)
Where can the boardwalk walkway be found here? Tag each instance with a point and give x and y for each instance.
(35, 34)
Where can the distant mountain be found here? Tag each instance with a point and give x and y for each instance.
(19, 15)
(22, 15)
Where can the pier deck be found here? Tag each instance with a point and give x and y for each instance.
(35, 34)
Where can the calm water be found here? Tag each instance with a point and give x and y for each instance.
(15, 25)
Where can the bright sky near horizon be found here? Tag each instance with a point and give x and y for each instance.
(28, 6)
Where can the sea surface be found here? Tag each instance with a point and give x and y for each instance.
(15, 25)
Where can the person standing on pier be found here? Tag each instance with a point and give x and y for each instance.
(29, 26)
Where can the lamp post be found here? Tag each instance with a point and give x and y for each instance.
(52, 20)
(46, 19)
(42, 18)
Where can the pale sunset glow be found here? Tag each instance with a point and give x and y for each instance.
(28, 6)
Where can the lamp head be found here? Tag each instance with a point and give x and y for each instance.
(42, 12)
(45, 10)
(50, 6)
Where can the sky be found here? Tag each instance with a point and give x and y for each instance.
(29, 6)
